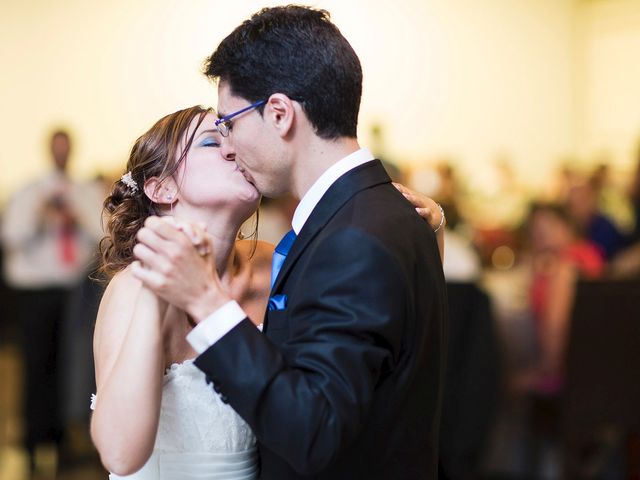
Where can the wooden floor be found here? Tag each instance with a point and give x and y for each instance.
(13, 459)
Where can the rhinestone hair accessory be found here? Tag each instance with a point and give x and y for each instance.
(128, 180)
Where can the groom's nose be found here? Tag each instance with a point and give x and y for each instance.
(227, 151)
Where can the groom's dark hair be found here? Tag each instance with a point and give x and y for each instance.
(296, 51)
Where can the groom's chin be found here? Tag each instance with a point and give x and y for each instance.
(271, 191)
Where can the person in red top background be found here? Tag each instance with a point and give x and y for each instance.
(559, 257)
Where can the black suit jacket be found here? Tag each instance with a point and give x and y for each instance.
(346, 381)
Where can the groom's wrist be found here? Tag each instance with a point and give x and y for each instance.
(215, 326)
(207, 303)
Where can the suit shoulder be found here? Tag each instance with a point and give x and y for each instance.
(382, 209)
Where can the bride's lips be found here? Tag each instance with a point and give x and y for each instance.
(245, 174)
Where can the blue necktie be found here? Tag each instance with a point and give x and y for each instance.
(280, 253)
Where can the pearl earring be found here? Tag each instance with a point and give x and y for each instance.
(169, 197)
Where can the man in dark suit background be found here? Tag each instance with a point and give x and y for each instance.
(346, 380)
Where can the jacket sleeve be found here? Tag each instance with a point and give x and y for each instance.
(306, 399)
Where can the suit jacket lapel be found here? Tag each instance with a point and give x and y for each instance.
(364, 176)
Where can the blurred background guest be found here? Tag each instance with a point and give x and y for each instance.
(627, 263)
(634, 198)
(582, 206)
(559, 256)
(49, 232)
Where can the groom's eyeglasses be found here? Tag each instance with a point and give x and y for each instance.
(223, 125)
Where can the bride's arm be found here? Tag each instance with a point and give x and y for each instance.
(129, 359)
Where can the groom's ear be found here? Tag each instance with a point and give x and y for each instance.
(281, 111)
(163, 192)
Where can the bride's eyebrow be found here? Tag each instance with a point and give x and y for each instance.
(206, 132)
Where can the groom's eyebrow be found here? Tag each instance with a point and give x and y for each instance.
(221, 115)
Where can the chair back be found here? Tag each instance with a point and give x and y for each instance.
(602, 384)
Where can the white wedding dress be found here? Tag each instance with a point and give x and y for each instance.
(199, 436)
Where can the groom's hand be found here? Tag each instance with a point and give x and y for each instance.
(170, 266)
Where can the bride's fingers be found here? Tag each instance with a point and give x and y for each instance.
(425, 206)
(195, 232)
(401, 188)
(416, 200)
(426, 213)
(207, 246)
(192, 233)
(200, 239)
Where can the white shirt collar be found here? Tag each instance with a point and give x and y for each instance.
(322, 184)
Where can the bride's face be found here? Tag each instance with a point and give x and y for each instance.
(207, 180)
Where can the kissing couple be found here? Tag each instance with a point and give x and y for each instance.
(344, 377)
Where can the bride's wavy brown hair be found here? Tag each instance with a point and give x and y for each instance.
(157, 153)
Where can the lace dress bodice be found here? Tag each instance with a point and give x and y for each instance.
(199, 436)
(193, 418)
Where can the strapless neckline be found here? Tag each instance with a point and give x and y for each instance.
(199, 436)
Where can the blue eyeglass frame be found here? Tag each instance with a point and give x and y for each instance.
(224, 126)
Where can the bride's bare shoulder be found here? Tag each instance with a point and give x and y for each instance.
(123, 285)
(118, 300)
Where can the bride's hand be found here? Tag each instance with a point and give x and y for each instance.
(426, 207)
(195, 232)
(429, 210)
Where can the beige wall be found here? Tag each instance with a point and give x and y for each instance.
(608, 118)
(471, 79)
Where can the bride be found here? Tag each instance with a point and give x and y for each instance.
(155, 416)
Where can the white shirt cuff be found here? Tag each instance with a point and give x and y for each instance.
(216, 326)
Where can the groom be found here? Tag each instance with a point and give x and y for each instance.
(346, 380)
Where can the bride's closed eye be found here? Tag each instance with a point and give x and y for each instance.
(209, 142)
